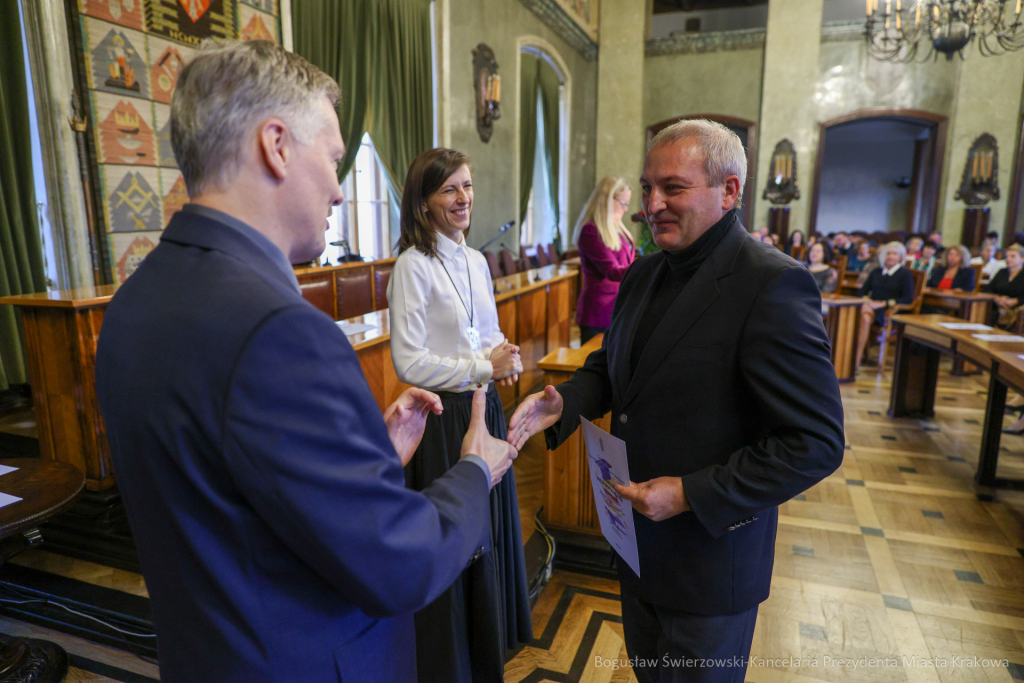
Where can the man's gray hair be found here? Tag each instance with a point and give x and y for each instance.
(227, 90)
(723, 152)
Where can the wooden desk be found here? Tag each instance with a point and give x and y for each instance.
(45, 489)
(841, 322)
(570, 513)
(62, 328)
(920, 341)
(970, 306)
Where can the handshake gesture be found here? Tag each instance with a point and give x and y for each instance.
(406, 419)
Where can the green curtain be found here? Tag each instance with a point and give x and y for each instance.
(549, 86)
(529, 73)
(21, 256)
(400, 86)
(332, 35)
(379, 52)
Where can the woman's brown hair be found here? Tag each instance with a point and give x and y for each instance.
(427, 174)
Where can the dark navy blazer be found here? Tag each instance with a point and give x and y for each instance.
(736, 394)
(276, 535)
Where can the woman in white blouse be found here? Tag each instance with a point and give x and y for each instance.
(445, 338)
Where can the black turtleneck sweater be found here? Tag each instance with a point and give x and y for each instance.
(673, 275)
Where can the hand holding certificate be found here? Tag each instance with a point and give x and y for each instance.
(608, 467)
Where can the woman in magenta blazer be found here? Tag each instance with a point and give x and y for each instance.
(606, 252)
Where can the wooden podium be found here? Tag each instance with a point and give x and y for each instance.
(570, 514)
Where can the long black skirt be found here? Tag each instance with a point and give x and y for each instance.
(465, 635)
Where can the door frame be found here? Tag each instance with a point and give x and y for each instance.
(936, 158)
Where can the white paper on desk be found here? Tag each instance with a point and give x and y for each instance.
(606, 455)
(964, 326)
(7, 469)
(348, 328)
(999, 337)
(7, 499)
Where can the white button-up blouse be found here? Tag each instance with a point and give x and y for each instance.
(430, 344)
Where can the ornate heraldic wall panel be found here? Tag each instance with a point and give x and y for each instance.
(132, 51)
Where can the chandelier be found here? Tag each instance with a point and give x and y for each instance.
(902, 31)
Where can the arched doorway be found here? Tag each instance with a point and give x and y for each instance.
(536, 47)
(878, 171)
(747, 132)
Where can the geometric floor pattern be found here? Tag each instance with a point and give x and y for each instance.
(892, 569)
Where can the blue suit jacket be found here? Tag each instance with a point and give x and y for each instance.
(276, 535)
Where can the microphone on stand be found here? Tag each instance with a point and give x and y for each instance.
(501, 231)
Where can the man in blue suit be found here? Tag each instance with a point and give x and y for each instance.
(264, 489)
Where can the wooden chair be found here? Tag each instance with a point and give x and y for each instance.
(492, 265)
(553, 256)
(977, 277)
(887, 332)
(542, 256)
(508, 262)
(799, 252)
(839, 263)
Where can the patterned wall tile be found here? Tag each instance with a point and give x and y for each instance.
(132, 200)
(190, 21)
(256, 25)
(172, 187)
(116, 58)
(129, 250)
(124, 130)
(166, 59)
(124, 12)
(162, 127)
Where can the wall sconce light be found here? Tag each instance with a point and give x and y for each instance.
(488, 90)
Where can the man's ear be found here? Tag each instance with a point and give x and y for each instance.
(732, 192)
(276, 145)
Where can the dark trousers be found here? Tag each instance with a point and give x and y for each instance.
(672, 646)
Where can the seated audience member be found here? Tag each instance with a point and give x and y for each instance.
(953, 272)
(841, 245)
(992, 265)
(887, 285)
(914, 247)
(813, 239)
(935, 238)
(796, 239)
(860, 258)
(1008, 285)
(926, 261)
(775, 240)
(825, 276)
(606, 253)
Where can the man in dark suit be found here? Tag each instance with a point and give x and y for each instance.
(264, 489)
(716, 369)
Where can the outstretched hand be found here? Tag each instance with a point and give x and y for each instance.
(657, 499)
(497, 454)
(538, 412)
(407, 417)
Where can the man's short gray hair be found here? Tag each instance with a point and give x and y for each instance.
(227, 90)
(723, 152)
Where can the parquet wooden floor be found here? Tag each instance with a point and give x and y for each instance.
(892, 569)
(893, 557)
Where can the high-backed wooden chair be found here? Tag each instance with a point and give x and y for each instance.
(492, 264)
(508, 262)
(381, 276)
(542, 256)
(977, 276)
(887, 333)
(839, 263)
(553, 256)
(799, 252)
